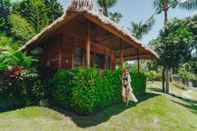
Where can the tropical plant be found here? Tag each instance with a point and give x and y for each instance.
(20, 28)
(174, 48)
(115, 16)
(12, 58)
(54, 10)
(164, 6)
(140, 29)
(105, 5)
(153, 75)
(185, 72)
(34, 11)
(7, 42)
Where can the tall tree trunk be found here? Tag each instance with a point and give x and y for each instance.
(165, 9)
(165, 82)
(171, 75)
(163, 79)
(165, 17)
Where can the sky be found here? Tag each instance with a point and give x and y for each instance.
(137, 10)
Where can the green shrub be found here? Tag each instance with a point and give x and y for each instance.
(154, 76)
(60, 88)
(185, 72)
(92, 92)
(112, 83)
(86, 91)
(85, 94)
(138, 83)
(20, 84)
(19, 92)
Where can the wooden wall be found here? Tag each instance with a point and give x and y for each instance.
(59, 51)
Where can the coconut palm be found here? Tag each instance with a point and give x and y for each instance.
(164, 6)
(142, 28)
(115, 16)
(105, 5)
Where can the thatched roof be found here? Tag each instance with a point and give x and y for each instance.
(97, 18)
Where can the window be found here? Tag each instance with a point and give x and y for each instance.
(100, 61)
(78, 57)
(107, 62)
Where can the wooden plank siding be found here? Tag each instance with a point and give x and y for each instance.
(59, 52)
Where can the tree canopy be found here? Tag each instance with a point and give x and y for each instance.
(5, 10)
(175, 44)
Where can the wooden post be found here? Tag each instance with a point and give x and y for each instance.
(138, 61)
(60, 53)
(121, 58)
(88, 42)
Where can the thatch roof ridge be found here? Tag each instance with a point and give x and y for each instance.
(81, 5)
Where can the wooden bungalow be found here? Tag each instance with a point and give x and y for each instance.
(83, 36)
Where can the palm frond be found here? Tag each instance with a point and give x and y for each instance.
(140, 29)
(107, 3)
(159, 5)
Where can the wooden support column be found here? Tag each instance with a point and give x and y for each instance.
(138, 60)
(60, 42)
(88, 46)
(122, 58)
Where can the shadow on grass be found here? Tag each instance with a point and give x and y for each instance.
(188, 103)
(102, 116)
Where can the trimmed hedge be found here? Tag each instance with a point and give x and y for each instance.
(91, 91)
(86, 91)
(138, 83)
(60, 88)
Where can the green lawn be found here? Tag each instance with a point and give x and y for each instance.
(155, 112)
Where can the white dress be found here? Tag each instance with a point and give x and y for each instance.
(131, 96)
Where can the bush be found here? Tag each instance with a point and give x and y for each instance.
(60, 88)
(20, 84)
(92, 92)
(85, 91)
(19, 92)
(185, 73)
(154, 76)
(138, 83)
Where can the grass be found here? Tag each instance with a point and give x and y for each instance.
(155, 112)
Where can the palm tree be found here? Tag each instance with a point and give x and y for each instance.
(105, 5)
(164, 6)
(188, 4)
(115, 16)
(140, 29)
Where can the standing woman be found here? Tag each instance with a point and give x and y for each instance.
(127, 91)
